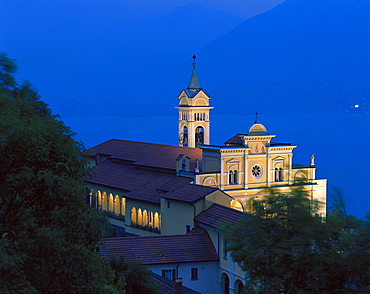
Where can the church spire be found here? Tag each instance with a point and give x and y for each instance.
(194, 84)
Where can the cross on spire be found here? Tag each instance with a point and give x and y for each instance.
(194, 84)
(256, 121)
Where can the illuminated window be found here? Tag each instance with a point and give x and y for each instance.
(145, 218)
(98, 199)
(133, 215)
(150, 218)
(235, 204)
(110, 205)
(140, 217)
(117, 204)
(104, 200)
(157, 222)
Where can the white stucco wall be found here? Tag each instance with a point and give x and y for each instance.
(208, 273)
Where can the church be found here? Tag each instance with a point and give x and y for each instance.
(153, 191)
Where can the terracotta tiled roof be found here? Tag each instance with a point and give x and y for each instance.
(149, 191)
(168, 286)
(147, 154)
(178, 189)
(236, 140)
(217, 214)
(139, 184)
(151, 250)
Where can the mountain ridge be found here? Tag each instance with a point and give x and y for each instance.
(280, 55)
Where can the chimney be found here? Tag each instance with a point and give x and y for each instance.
(178, 285)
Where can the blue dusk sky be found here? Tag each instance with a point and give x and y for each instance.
(114, 68)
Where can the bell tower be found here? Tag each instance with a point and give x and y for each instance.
(194, 120)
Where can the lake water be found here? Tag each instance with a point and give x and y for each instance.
(340, 141)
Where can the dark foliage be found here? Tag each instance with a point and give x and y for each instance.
(135, 275)
(285, 247)
(48, 233)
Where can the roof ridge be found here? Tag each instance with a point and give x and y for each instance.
(140, 142)
(157, 236)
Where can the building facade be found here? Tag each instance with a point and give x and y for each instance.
(158, 189)
(248, 164)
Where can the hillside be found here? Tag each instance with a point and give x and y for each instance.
(93, 58)
(302, 55)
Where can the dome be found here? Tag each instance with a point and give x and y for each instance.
(257, 130)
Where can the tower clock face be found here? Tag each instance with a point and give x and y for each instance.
(256, 171)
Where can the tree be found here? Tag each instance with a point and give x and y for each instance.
(284, 247)
(48, 234)
(136, 275)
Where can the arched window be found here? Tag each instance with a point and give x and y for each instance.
(133, 215)
(156, 221)
(104, 201)
(231, 177)
(238, 287)
(123, 205)
(281, 178)
(139, 217)
(225, 284)
(117, 204)
(145, 218)
(110, 202)
(150, 218)
(98, 199)
(199, 136)
(185, 137)
(235, 176)
(300, 176)
(236, 204)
